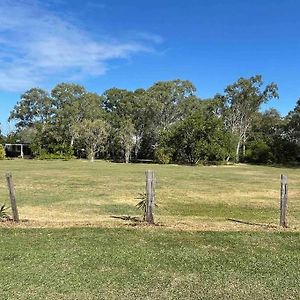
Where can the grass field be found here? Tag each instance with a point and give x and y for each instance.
(193, 198)
(68, 246)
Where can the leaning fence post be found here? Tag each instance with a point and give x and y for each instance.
(12, 196)
(283, 200)
(150, 192)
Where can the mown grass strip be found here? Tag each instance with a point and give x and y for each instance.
(148, 263)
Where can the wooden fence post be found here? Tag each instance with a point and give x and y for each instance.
(150, 192)
(12, 196)
(283, 200)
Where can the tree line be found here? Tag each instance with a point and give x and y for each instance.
(166, 123)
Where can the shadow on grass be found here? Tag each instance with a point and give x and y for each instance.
(136, 221)
(128, 218)
(251, 223)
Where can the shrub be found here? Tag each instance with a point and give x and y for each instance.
(43, 155)
(142, 204)
(259, 152)
(162, 155)
(200, 137)
(3, 213)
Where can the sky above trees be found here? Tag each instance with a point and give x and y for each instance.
(131, 44)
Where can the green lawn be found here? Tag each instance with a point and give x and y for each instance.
(67, 246)
(115, 263)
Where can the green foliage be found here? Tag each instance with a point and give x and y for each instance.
(35, 106)
(43, 155)
(92, 134)
(163, 155)
(158, 123)
(142, 203)
(272, 139)
(293, 132)
(171, 101)
(3, 213)
(259, 152)
(200, 137)
(2, 152)
(124, 135)
(240, 103)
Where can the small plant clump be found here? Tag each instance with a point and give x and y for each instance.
(142, 203)
(4, 216)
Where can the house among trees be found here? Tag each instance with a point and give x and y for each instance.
(18, 150)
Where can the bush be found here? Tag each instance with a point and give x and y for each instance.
(259, 152)
(2, 152)
(162, 155)
(45, 155)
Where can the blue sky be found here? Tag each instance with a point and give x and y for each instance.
(134, 43)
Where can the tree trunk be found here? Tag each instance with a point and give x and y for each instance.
(72, 141)
(92, 154)
(136, 147)
(138, 139)
(244, 146)
(136, 150)
(237, 153)
(127, 156)
(227, 159)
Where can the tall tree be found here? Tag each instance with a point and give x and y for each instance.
(169, 98)
(119, 106)
(92, 134)
(35, 106)
(118, 102)
(125, 135)
(142, 117)
(73, 104)
(241, 101)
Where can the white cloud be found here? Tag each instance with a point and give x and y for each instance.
(36, 44)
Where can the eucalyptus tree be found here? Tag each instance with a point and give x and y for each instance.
(33, 115)
(125, 137)
(241, 100)
(118, 104)
(34, 107)
(143, 118)
(129, 116)
(168, 99)
(73, 104)
(92, 134)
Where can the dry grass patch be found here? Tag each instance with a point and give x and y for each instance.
(196, 198)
